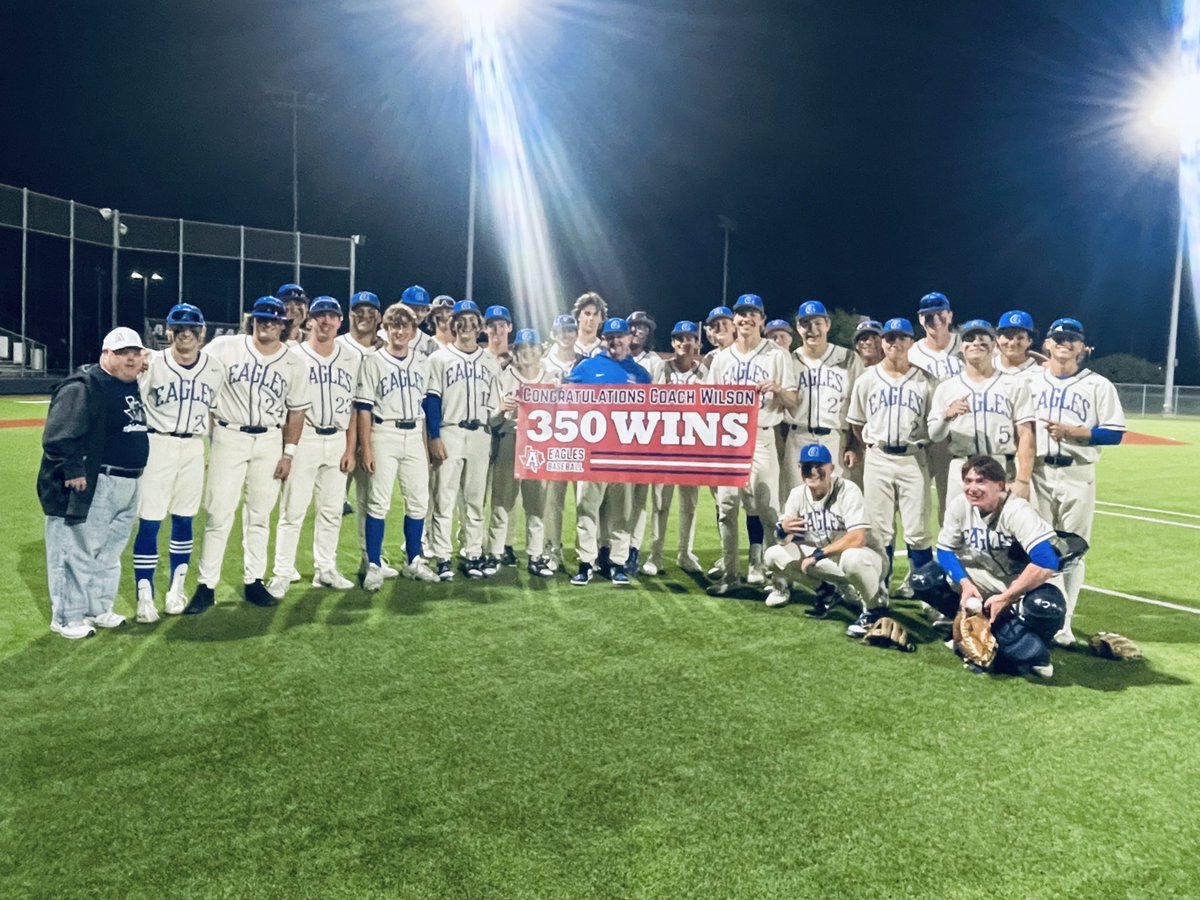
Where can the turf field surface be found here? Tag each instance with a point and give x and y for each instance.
(520, 737)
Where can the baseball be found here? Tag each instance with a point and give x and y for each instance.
(972, 606)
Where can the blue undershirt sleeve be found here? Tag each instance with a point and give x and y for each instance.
(1044, 555)
(432, 404)
(948, 561)
(1106, 436)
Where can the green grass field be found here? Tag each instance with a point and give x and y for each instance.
(522, 738)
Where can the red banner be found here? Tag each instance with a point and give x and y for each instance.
(643, 433)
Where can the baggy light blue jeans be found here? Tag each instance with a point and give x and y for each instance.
(83, 560)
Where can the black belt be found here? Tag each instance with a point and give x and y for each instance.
(1008, 457)
(894, 449)
(325, 432)
(470, 424)
(246, 429)
(819, 431)
(178, 434)
(1059, 462)
(406, 424)
(118, 472)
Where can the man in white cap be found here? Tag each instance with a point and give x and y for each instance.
(94, 448)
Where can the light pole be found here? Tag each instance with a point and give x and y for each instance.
(471, 192)
(729, 227)
(135, 275)
(297, 102)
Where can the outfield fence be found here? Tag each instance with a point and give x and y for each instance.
(135, 242)
(1148, 399)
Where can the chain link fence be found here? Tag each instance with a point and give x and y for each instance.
(1147, 399)
(105, 246)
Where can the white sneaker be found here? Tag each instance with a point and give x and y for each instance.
(779, 596)
(176, 598)
(73, 631)
(717, 569)
(418, 570)
(1065, 638)
(724, 588)
(1046, 671)
(294, 577)
(689, 564)
(373, 580)
(105, 620)
(332, 578)
(388, 571)
(146, 613)
(278, 586)
(649, 568)
(756, 575)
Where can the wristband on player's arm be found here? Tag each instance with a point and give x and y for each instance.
(1106, 436)
(948, 561)
(779, 532)
(432, 404)
(818, 555)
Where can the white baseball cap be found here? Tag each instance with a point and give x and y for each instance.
(122, 339)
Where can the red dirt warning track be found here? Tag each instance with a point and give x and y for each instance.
(22, 423)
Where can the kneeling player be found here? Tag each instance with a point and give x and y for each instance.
(995, 553)
(825, 542)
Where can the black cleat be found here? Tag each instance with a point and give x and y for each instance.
(201, 600)
(825, 600)
(631, 563)
(509, 559)
(257, 594)
(347, 509)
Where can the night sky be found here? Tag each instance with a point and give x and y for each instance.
(869, 151)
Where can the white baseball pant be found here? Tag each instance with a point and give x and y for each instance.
(315, 468)
(462, 476)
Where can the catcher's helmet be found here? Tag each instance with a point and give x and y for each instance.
(931, 585)
(291, 292)
(415, 296)
(641, 317)
(441, 301)
(185, 314)
(1043, 610)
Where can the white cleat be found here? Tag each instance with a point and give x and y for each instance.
(717, 569)
(294, 577)
(1065, 638)
(373, 580)
(278, 586)
(689, 564)
(778, 598)
(757, 575)
(1046, 671)
(176, 598)
(649, 568)
(418, 570)
(146, 612)
(105, 620)
(73, 631)
(905, 591)
(724, 588)
(332, 578)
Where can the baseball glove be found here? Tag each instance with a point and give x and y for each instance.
(1111, 645)
(974, 640)
(887, 632)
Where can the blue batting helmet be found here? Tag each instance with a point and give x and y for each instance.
(615, 325)
(325, 305)
(463, 307)
(364, 298)
(269, 308)
(718, 312)
(497, 312)
(1016, 318)
(415, 296)
(750, 301)
(185, 314)
(291, 291)
(526, 337)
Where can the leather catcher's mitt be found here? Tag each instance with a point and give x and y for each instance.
(887, 632)
(1111, 645)
(974, 640)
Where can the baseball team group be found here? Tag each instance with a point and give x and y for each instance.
(977, 427)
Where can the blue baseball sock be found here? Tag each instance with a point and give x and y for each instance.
(181, 542)
(918, 558)
(145, 551)
(891, 559)
(373, 529)
(754, 529)
(413, 530)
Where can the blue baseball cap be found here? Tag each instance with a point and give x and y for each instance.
(526, 336)
(324, 305)
(270, 308)
(685, 327)
(867, 326)
(977, 325)
(778, 325)
(1071, 329)
(462, 307)
(291, 291)
(1016, 318)
(565, 322)
(185, 314)
(750, 301)
(718, 312)
(810, 309)
(364, 298)
(497, 312)
(898, 324)
(934, 301)
(415, 296)
(615, 325)
(815, 453)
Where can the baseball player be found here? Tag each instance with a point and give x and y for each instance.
(889, 405)
(1078, 412)
(824, 540)
(392, 427)
(295, 301)
(614, 366)
(498, 326)
(590, 312)
(559, 360)
(983, 411)
(641, 349)
(325, 455)
(528, 368)
(178, 388)
(416, 298)
(683, 368)
(868, 347)
(264, 391)
(1015, 335)
(441, 312)
(779, 331)
(752, 360)
(462, 387)
(940, 354)
(718, 330)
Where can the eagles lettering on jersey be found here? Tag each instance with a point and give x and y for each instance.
(1063, 400)
(256, 373)
(392, 387)
(180, 391)
(399, 379)
(892, 396)
(941, 364)
(328, 375)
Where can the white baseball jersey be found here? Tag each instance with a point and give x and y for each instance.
(466, 382)
(669, 374)
(424, 344)
(555, 367)
(178, 400)
(392, 387)
(509, 382)
(983, 543)
(891, 410)
(651, 362)
(350, 343)
(998, 362)
(823, 386)
(941, 364)
(840, 511)
(998, 405)
(257, 390)
(1085, 398)
(766, 361)
(332, 381)
(589, 350)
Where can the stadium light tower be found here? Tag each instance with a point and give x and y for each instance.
(135, 275)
